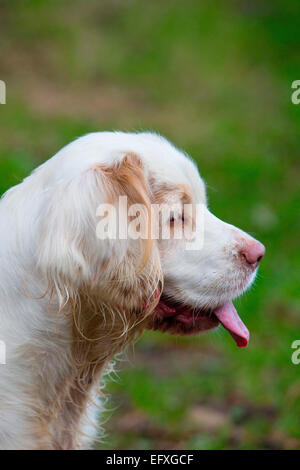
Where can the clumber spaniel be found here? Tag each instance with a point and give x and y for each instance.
(72, 296)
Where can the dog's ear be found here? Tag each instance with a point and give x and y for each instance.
(69, 247)
(127, 178)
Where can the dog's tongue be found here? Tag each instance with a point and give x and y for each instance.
(228, 316)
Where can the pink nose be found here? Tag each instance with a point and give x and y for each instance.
(253, 252)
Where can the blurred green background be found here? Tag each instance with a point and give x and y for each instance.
(215, 78)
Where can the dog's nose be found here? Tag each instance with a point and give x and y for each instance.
(253, 252)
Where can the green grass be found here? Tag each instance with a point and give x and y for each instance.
(215, 78)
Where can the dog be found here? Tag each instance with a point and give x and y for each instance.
(72, 298)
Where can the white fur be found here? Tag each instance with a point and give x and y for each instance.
(42, 220)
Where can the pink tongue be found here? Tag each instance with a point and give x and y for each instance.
(228, 316)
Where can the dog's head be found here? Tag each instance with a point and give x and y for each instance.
(127, 219)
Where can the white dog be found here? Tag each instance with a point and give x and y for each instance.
(70, 300)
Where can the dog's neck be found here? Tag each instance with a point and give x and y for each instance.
(54, 361)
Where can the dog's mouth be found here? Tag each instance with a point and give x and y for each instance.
(177, 318)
